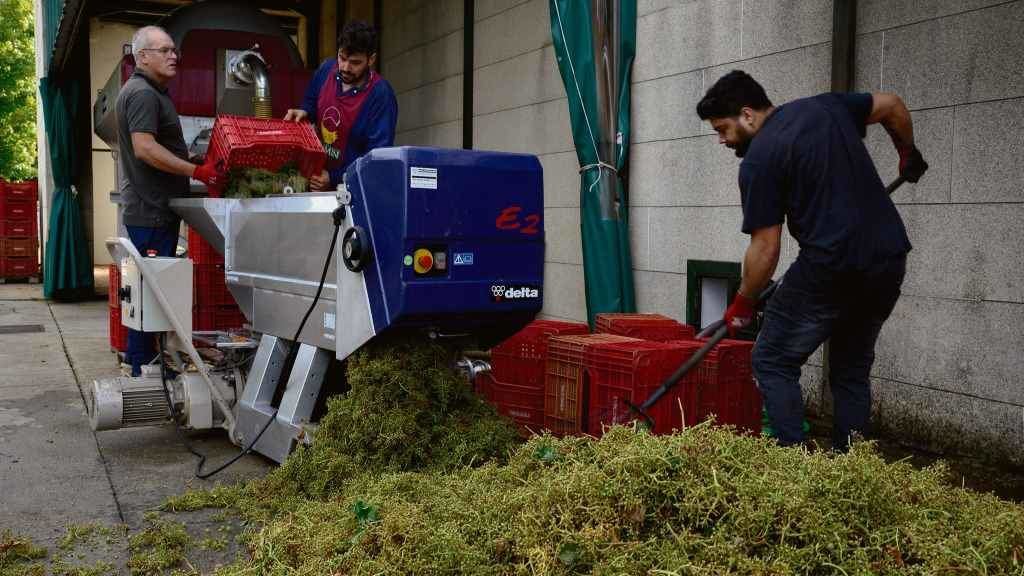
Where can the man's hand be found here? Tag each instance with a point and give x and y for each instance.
(213, 176)
(295, 115)
(321, 182)
(740, 314)
(912, 164)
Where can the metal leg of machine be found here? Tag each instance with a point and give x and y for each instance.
(296, 407)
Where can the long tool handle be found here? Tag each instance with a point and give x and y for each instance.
(894, 185)
(720, 332)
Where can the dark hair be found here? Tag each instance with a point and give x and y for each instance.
(729, 94)
(358, 37)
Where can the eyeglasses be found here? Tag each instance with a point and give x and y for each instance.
(165, 51)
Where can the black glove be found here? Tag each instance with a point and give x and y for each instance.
(912, 164)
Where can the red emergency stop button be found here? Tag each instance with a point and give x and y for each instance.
(422, 261)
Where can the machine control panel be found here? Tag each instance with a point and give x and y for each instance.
(140, 308)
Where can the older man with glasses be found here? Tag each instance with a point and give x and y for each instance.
(153, 160)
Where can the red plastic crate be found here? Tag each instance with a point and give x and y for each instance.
(18, 228)
(267, 143)
(118, 332)
(201, 251)
(17, 209)
(521, 404)
(646, 326)
(217, 318)
(114, 286)
(20, 248)
(565, 383)
(726, 386)
(632, 371)
(27, 191)
(520, 359)
(19, 267)
(209, 287)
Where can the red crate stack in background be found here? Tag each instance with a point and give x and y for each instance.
(646, 326)
(520, 359)
(213, 306)
(19, 238)
(565, 381)
(515, 385)
(621, 372)
(726, 388)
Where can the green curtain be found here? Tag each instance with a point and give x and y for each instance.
(594, 43)
(67, 270)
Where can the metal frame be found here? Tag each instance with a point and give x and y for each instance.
(119, 246)
(292, 416)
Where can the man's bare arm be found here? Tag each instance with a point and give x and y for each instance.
(761, 260)
(890, 111)
(153, 153)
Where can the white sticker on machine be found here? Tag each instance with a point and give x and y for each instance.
(420, 177)
(329, 321)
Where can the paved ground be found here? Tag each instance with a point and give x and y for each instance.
(54, 471)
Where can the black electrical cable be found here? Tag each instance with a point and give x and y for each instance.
(337, 216)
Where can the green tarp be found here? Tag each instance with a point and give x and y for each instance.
(594, 43)
(67, 272)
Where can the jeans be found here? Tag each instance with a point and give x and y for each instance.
(149, 242)
(811, 305)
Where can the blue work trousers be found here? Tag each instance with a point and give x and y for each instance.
(149, 242)
(811, 305)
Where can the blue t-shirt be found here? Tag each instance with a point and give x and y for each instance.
(369, 122)
(808, 166)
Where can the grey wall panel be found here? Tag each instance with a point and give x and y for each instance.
(776, 25)
(959, 346)
(988, 152)
(562, 232)
(959, 59)
(687, 36)
(933, 134)
(525, 79)
(686, 172)
(666, 108)
(564, 294)
(661, 293)
(970, 251)
(561, 179)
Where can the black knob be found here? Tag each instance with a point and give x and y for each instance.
(355, 249)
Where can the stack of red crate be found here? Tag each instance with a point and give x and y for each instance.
(515, 385)
(621, 372)
(213, 307)
(565, 381)
(645, 326)
(726, 387)
(118, 333)
(19, 238)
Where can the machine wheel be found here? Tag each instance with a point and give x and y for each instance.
(355, 249)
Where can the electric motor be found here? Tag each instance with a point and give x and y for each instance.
(123, 402)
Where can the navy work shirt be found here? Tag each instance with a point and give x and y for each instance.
(808, 165)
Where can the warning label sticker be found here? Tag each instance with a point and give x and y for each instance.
(420, 177)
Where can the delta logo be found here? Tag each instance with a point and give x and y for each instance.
(501, 293)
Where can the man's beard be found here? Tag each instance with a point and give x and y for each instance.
(741, 148)
(355, 81)
(744, 144)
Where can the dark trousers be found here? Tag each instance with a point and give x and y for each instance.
(149, 242)
(814, 304)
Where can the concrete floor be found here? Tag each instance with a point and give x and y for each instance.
(55, 471)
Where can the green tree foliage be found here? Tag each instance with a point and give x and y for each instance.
(17, 90)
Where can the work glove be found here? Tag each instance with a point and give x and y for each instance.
(213, 175)
(740, 314)
(912, 164)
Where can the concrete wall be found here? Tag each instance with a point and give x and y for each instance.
(947, 372)
(421, 55)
